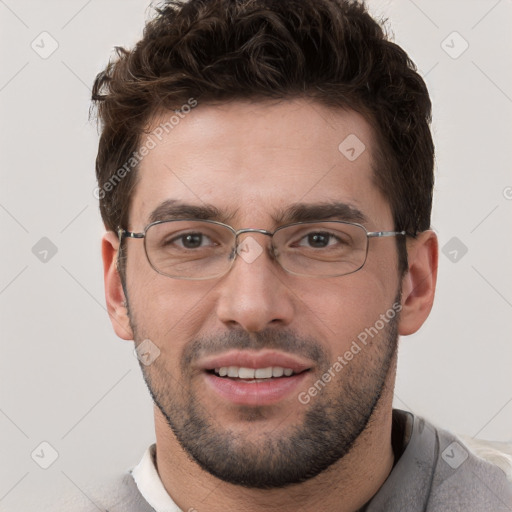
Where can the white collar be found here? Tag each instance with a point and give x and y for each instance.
(149, 484)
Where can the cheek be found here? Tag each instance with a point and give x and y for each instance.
(169, 312)
(338, 311)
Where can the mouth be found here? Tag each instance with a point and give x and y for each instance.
(246, 378)
(253, 374)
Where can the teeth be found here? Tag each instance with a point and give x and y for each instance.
(252, 373)
(246, 373)
(263, 373)
(277, 371)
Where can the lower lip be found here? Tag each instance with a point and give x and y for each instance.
(264, 392)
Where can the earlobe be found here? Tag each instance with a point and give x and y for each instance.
(114, 293)
(419, 283)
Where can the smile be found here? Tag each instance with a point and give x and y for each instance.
(253, 374)
(255, 378)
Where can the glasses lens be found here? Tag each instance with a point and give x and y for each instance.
(189, 249)
(326, 249)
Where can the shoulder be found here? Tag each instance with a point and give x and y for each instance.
(119, 494)
(470, 476)
(497, 453)
(437, 471)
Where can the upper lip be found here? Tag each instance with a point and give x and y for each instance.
(252, 359)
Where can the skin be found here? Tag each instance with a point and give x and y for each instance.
(250, 160)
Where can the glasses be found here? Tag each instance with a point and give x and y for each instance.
(206, 249)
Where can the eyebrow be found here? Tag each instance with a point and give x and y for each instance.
(174, 209)
(298, 212)
(334, 210)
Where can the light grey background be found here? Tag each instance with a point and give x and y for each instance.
(65, 377)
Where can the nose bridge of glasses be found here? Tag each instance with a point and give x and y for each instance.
(252, 230)
(248, 243)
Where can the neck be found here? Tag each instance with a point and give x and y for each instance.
(345, 487)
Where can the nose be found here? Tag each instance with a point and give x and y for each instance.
(254, 294)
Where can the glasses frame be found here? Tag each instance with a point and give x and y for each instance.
(123, 233)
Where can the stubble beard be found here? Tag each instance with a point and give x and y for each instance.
(275, 458)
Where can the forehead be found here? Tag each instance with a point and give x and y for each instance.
(251, 161)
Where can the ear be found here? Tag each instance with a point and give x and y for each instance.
(114, 293)
(419, 283)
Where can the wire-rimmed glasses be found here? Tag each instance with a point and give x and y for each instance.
(206, 249)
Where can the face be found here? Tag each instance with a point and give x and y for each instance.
(262, 165)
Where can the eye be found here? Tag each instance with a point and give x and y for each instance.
(191, 241)
(319, 240)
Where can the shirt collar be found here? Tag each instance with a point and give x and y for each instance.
(149, 484)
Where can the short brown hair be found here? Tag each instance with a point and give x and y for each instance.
(332, 51)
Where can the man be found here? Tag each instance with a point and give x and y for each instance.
(265, 174)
